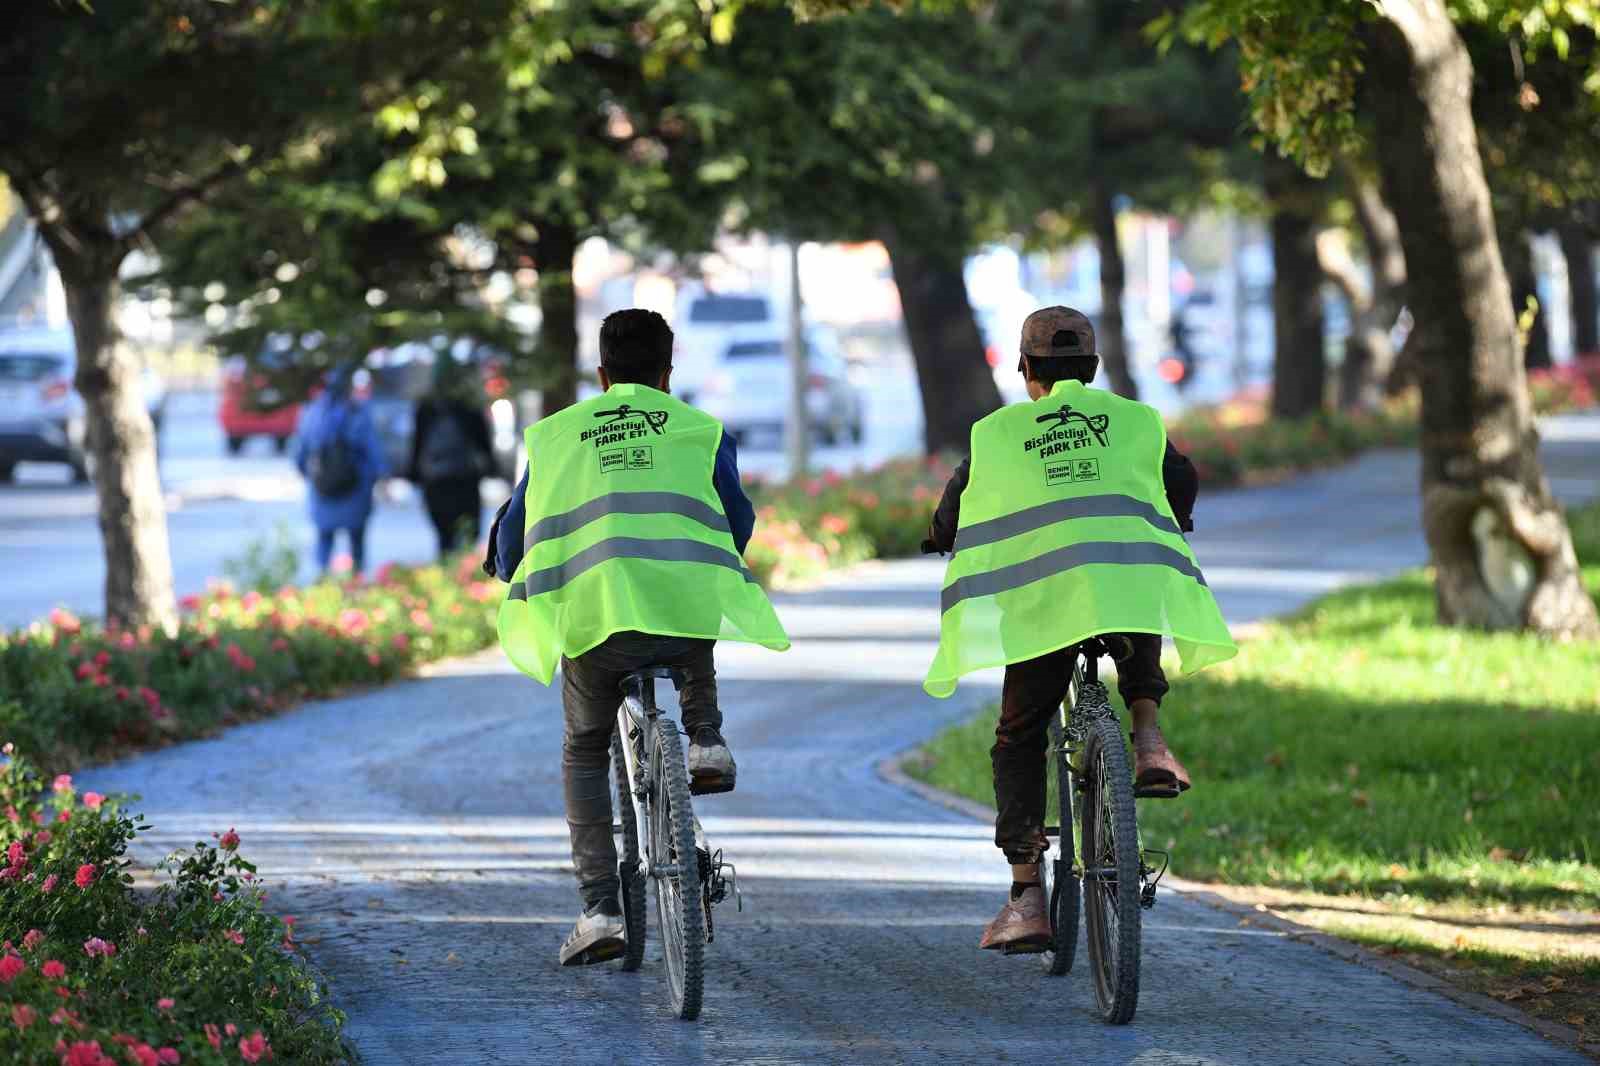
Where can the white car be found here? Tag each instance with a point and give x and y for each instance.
(41, 413)
(705, 323)
(750, 387)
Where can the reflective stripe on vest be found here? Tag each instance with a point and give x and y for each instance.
(670, 551)
(1044, 514)
(559, 525)
(992, 582)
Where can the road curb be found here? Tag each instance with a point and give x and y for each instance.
(892, 771)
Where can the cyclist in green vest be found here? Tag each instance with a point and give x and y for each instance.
(1066, 523)
(623, 548)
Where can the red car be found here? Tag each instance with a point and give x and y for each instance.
(252, 407)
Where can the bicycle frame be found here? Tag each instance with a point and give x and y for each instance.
(639, 711)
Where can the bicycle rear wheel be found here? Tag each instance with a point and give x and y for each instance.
(633, 893)
(680, 904)
(1061, 887)
(1111, 872)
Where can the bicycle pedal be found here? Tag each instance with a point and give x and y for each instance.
(1027, 947)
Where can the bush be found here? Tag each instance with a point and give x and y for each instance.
(94, 973)
(76, 691)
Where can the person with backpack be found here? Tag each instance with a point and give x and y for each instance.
(341, 457)
(451, 453)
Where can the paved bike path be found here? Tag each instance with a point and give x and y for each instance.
(416, 832)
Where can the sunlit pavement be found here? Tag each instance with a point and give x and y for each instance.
(416, 832)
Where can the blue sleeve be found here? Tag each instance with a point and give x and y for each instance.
(508, 537)
(735, 504)
(377, 461)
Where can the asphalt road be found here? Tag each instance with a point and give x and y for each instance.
(416, 831)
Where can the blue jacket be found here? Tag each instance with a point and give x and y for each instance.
(353, 423)
(724, 478)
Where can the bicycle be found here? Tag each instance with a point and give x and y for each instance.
(1099, 857)
(652, 784)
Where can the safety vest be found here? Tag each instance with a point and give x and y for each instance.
(625, 532)
(1065, 534)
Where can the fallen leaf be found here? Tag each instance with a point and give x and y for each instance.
(1576, 1019)
(1554, 984)
(1397, 871)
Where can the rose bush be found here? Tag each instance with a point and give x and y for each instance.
(93, 972)
(75, 691)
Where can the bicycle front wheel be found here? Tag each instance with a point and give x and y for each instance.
(1111, 872)
(1061, 888)
(633, 893)
(680, 904)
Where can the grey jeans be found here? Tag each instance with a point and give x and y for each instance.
(590, 695)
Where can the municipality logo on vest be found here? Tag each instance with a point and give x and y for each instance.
(1069, 430)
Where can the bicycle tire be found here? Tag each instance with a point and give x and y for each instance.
(1111, 872)
(680, 905)
(1062, 889)
(633, 891)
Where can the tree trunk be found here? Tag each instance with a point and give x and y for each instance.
(1369, 352)
(1500, 545)
(554, 252)
(954, 377)
(1110, 338)
(1579, 250)
(121, 448)
(1299, 360)
(1517, 253)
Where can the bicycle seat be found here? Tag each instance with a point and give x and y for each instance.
(650, 673)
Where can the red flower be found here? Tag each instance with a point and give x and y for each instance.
(86, 1053)
(168, 1056)
(374, 659)
(102, 659)
(214, 1036)
(189, 603)
(229, 840)
(240, 660)
(23, 1015)
(11, 968)
(151, 697)
(122, 694)
(234, 935)
(280, 644)
(254, 1046)
(84, 671)
(85, 875)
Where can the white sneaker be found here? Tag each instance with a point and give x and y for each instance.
(598, 936)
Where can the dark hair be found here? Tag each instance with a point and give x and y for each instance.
(1061, 368)
(635, 346)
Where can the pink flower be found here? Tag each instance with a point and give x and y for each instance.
(374, 659)
(280, 644)
(84, 671)
(86, 1053)
(151, 697)
(43, 837)
(62, 783)
(235, 936)
(64, 816)
(166, 1003)
(85, 875)
(65, 621)
(254, 1046)
(102, 659)
(31, 940)
(144, 1054)
(241, 662)
(49, 885)
(229, 840)
(231, 1029)
(11, 968)
(189, 603)
(127, 641)
(23, 1015)
(214, 1036)
(168, 1056)
(95, 946)
(54, 970)
(11, 814)
(401, 641)
(92, 800)
(122, 693)
(16, 855)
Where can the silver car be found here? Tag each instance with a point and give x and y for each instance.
(748, 390)
(41, 413)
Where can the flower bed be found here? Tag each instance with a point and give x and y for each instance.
(74, 691)
(93, 973)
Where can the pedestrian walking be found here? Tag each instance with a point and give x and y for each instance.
(342, 459)
(451, 453)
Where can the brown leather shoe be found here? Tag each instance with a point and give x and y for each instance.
(1157, 773)
(1021, 926)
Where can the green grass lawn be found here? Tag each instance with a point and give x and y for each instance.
(1358, 747)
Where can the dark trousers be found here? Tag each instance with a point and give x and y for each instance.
(358, 547)
(590, 695)
(1033, 691)
(456, 511)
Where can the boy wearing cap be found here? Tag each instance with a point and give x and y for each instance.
(1066, 522)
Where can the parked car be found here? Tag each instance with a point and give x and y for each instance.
(41, 413)
(705, 322)
(750, 387)
(252, 405)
